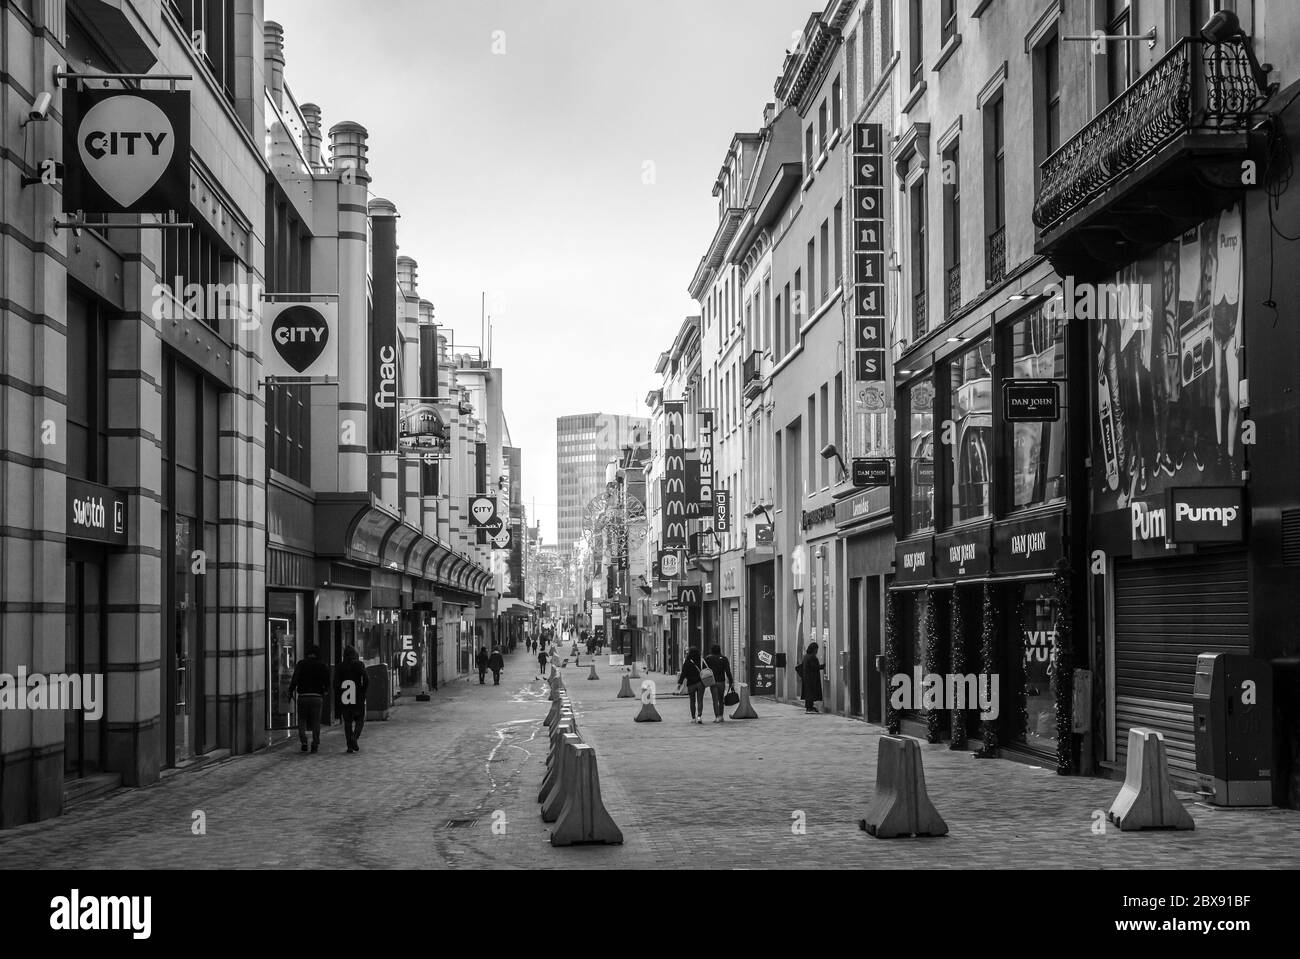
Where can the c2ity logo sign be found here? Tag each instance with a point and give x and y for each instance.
(126, 151)
(299, 339)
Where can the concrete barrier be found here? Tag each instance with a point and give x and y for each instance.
(559, 792)
(559, 706)
(745, 710)
(1147, 800)
(636, 670)
(625, 691)
(593, 671)
(551, 778)
(648, 714)
(552, 714)
(901, 806)
(583, 819)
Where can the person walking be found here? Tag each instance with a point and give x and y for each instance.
(352, 699)
(481, 661)
(541, 662)
(721, 667)
(810, 671)
(311, 682)
(690, 677)
(496, 663)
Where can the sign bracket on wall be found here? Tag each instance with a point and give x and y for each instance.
(79, 223)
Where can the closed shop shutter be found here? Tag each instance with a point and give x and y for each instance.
(1168, 612)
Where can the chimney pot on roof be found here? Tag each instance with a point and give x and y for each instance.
(349, 146)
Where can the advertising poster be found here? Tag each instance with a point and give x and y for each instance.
(1168, 341)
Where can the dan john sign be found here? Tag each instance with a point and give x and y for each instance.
(1031, 401)
(126, 151)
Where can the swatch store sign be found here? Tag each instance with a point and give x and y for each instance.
(96, 513)
(126, 151)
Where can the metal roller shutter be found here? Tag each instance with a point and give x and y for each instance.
(1168, 612)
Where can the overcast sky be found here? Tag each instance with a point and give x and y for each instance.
(516, 138)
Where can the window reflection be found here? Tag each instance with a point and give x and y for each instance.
(1038, 449)
(922, 455)
(971, 380)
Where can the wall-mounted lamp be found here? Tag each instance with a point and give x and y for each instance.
(829, 452)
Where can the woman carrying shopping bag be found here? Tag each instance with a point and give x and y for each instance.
(692, 676)
(720, 666)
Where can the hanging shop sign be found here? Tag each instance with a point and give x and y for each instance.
(300, 340)
(1031, 401)
(670, 564)
(420, 427)
(722, 511)
(1210, 514)
(482, 511)
(95, 513)
(1031, 545)
(126, 151)
(914, 561)
(963, 554)
(764, 534)
(705, 428)
(869, 504)
(868, 308)
(674, 478)
(870, 472)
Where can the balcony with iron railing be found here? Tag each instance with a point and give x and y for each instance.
(752, 374)
(952, 292)
(1164, 155)
(995, 257)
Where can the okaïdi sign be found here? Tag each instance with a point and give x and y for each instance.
(1206, 515)
(299, 340)
(126, 151)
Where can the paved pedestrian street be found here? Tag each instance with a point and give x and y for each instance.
(783, 791)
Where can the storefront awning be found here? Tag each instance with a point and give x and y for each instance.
(513, 605)
(353, 526)
(397, 544)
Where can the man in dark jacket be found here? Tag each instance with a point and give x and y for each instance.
(352, 685)
(496, 663)
(721, 667)
(810, 671)
(311, 681)
(481, 661)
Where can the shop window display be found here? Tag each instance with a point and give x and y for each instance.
(1038, 649)
(1038, 451)
(921, 441)
(971, 380)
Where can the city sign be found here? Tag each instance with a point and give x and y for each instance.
(501, 540)
(126, 151)
(482, 510)
(1031, 401)
(870, 472)
(300, 339)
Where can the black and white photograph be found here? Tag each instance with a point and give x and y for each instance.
(545, 437)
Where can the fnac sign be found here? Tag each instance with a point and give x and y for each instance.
(126, 151)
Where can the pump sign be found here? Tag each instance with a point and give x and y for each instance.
(126, 151)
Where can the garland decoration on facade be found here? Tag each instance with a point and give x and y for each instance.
(957, 666)
(1022, 693)
(988, 668)
(892, 715)
(1063, 678)
(933, 717)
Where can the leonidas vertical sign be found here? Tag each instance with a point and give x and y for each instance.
(868, 311)
(674, 491)
(126, 151)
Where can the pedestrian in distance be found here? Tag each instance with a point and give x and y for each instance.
(311, 683)
(481, 661)
(721, 667)
(694, 683)
(351, 687)
(810, 671)
(541, 662)
(496, 663)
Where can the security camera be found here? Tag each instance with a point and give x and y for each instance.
(40, 108)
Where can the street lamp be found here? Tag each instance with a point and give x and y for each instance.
(829, 452)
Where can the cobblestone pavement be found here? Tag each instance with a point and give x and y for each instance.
(685, 796)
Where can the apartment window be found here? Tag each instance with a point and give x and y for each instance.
(952, 230)
(810, 150)
(995, 192)
(825, 286)
(778, 345)
(211, 26)
(869, 53)
(920, 230)
(887, 48)
(813, 302)
(766, 344)
(823, 134)
(851, 65)
(800, 306)
(1048, 106)
(810, 454)
(916, 64)
(837, 105)
(839, 244)
(948, 14)
(838, 426)
(1119, 64)
(87, 355)
(824, 407)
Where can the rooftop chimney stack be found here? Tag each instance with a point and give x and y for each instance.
(312, 139)
(273, 45)
(349, 146)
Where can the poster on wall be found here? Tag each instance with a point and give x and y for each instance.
(1168, 348)
(765, 666)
